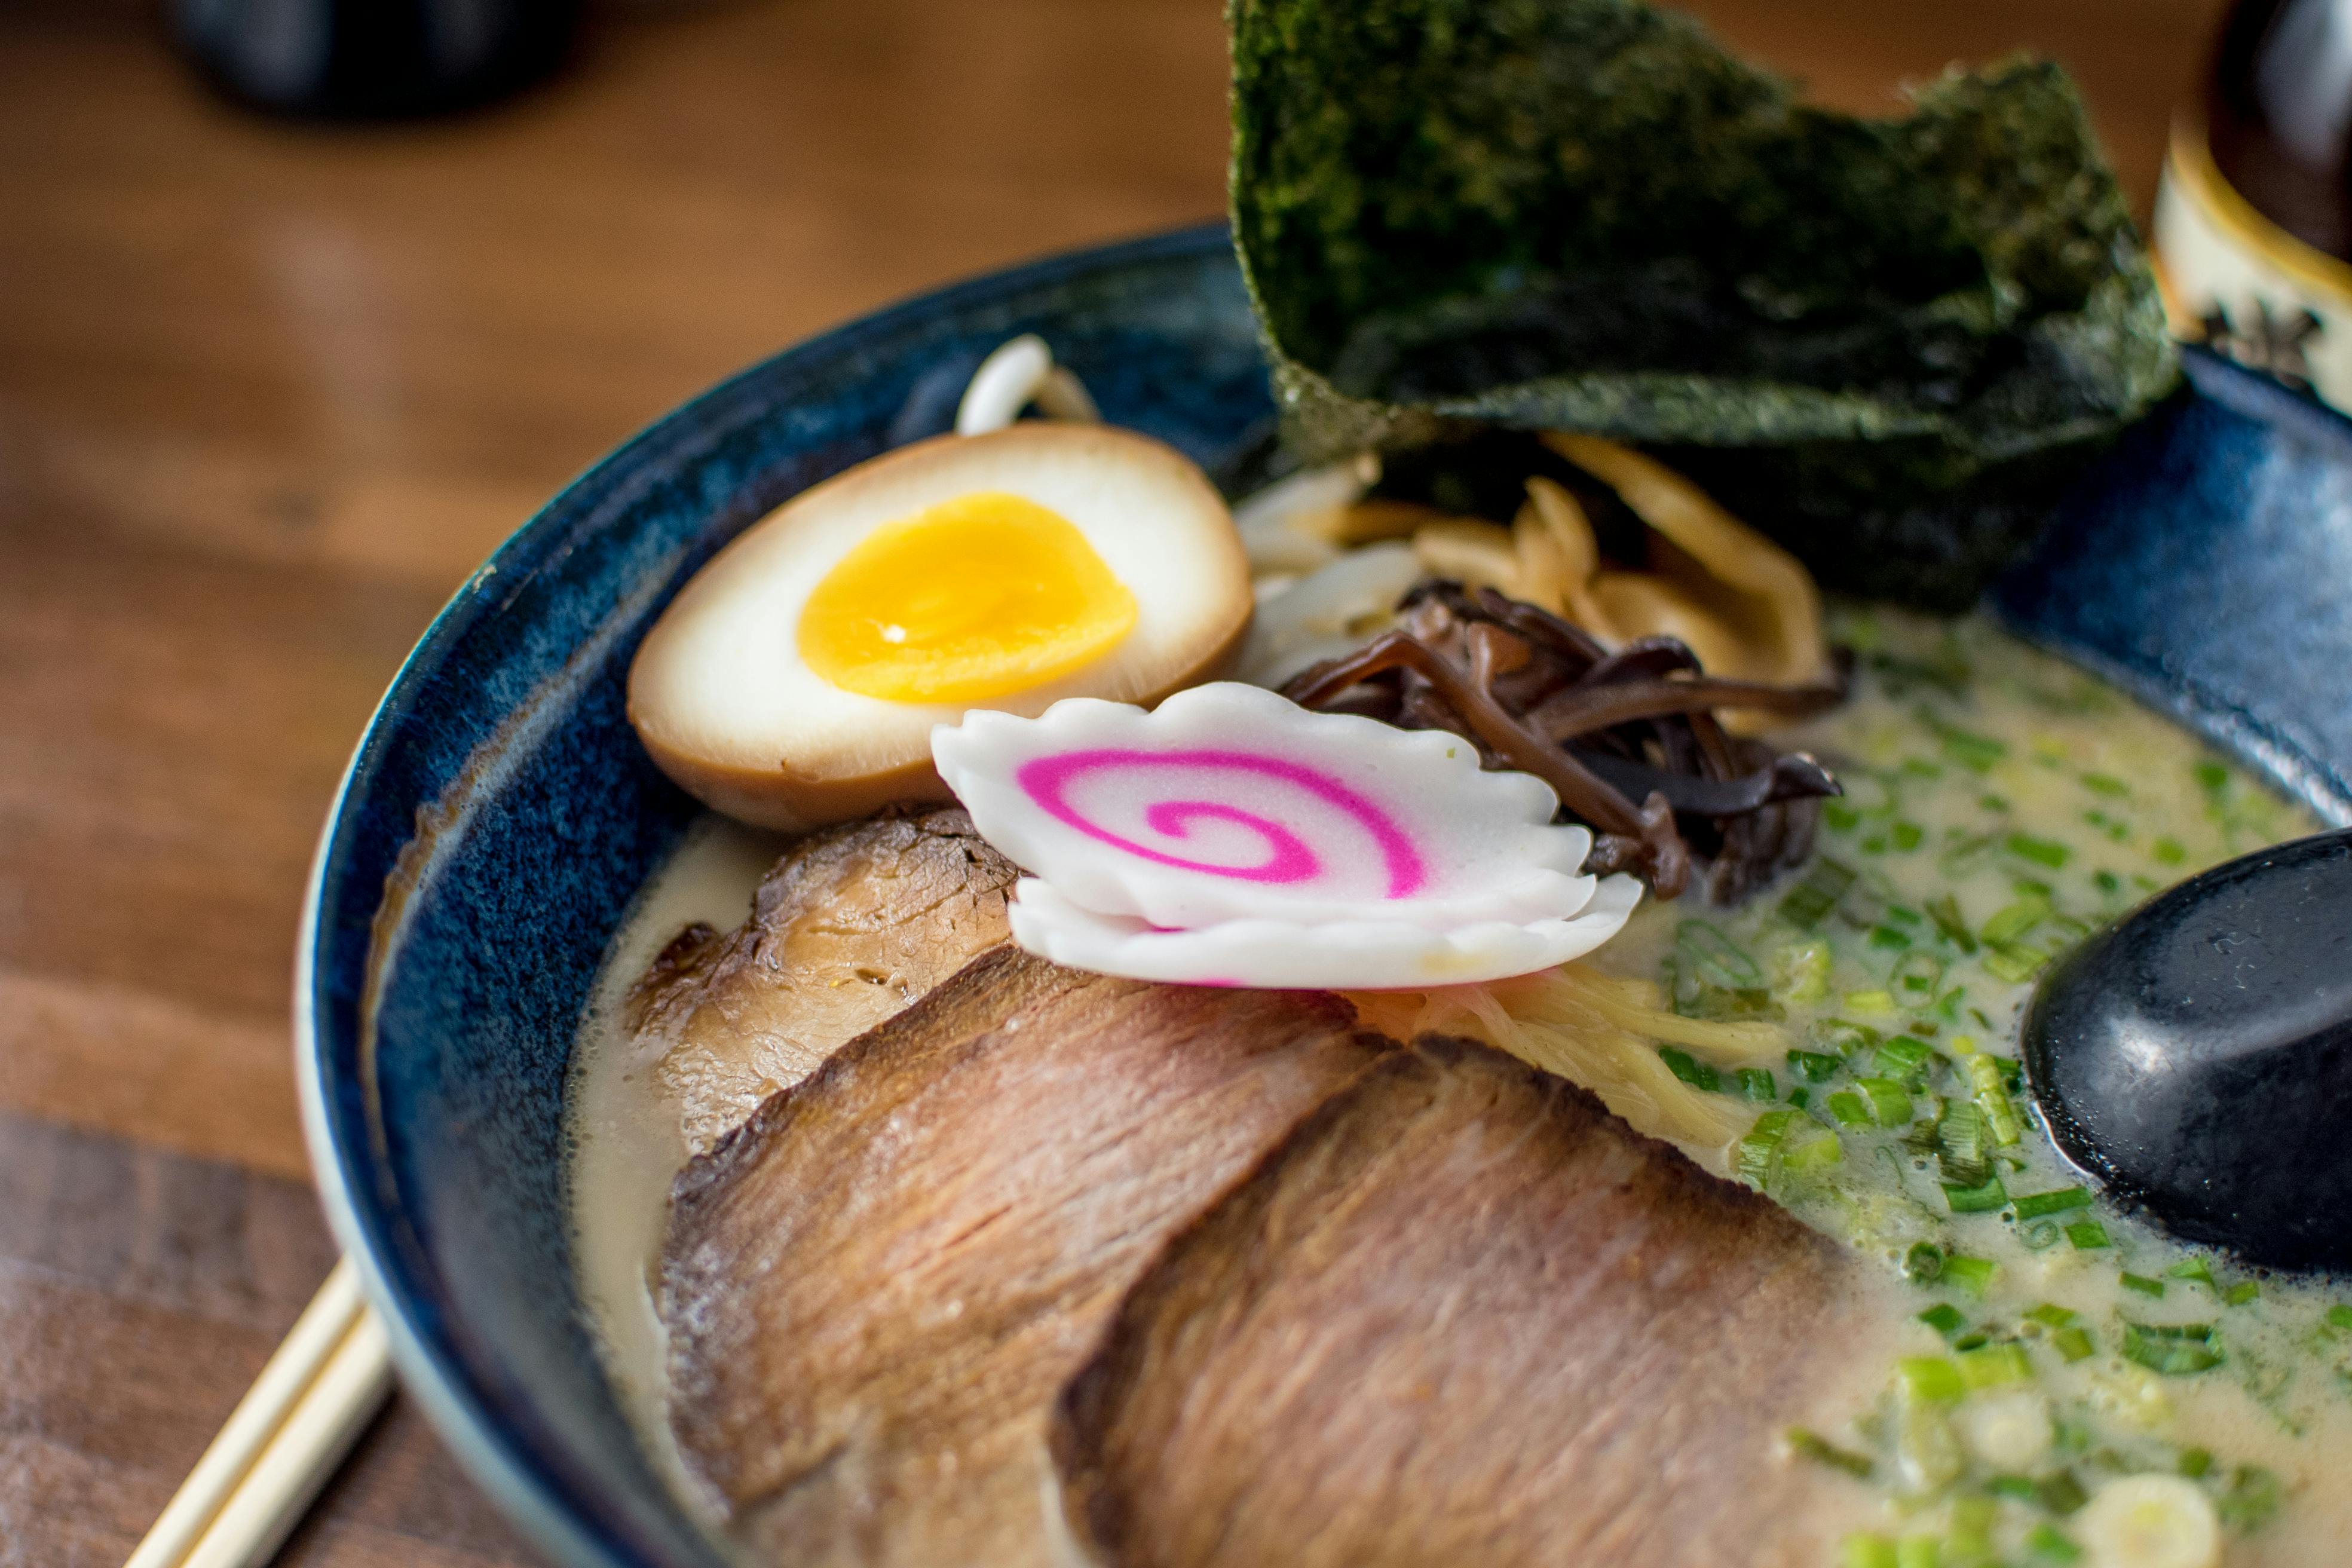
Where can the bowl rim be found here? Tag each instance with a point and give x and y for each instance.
(507, 1464)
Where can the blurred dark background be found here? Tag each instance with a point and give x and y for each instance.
(270, 389)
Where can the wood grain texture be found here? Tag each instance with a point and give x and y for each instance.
(140, 1292)
(267, 392)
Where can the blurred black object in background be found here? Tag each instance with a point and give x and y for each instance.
(364, 59)
(2278, 115)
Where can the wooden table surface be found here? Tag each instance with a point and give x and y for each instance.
(267, 394)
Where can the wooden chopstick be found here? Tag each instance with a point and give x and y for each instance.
(282, 1441)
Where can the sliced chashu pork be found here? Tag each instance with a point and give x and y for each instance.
(850, 927)
(877, 1287)
(1465, 1315)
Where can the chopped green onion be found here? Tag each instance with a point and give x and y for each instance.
(2174, 1350)
(2045, 1543)
(1800, 971)
(1919, 1551)
(1845, 1039)
(1872, 1002)
(1815, 1067)
(1807, 904)
(1990, 1366)
(1970, 1549)
(2041, 851)
(2249, 1499)
(1974, 1515)
(1917, 980)
(2194, 1462)
(1886, 936)
(1962, 852)
(2339, 1317)
(1903, 1060)
(1907, 836)
(2066, 929)
(1704, 999)
(2019, 1487)
(2143, 1284)
(2195, 1269)
(2035, 1204)
(1933, 1378)
(1798, 1095)
(1969, 1540)
(1817, 1150)
(2168, 851)
(1963, 1145)
(1717, 959)
(1842, 817)
(1968, 1274)
(1690, 1069)
(2243, 1291)
(1850, 1108)
(2014, 963)
(1983, 1198)
(2054, 1316)
(2107, 784)
(2212, 778)
(2039, 1236)
(2074, 1344)
(1757, 1083)
(1863, 1549)
(2060, 1492)
(2088, 1236)
(1993, 802)
(1814, 1446)
(1757, 1156)
(1923, 1263)
(1989, 1074)
(1946, 912)
(1889, 1105)
(1976, 753)
(2015, 921)
(1944, 1318)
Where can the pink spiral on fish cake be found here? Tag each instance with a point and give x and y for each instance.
(1289, 859)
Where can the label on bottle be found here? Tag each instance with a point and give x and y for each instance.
(2238, 281)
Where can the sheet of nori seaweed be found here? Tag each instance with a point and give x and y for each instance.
(1888, 342)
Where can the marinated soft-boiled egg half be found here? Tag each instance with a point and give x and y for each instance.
(795, 680)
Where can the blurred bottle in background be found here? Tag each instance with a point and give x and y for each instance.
(2254, 219)
(372, 58)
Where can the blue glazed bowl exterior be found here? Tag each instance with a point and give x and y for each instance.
(499, 816)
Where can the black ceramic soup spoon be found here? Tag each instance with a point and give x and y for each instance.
(2196, 1057)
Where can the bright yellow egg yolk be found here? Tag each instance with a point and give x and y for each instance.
(980, 596)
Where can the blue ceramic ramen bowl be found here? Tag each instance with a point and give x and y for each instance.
(499, 816)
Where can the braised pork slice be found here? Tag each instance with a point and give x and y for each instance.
(1462, 1315)
(850, 926)
(875, 1288)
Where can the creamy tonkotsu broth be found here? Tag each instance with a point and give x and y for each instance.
(2034, 1348)
(626, 1145)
